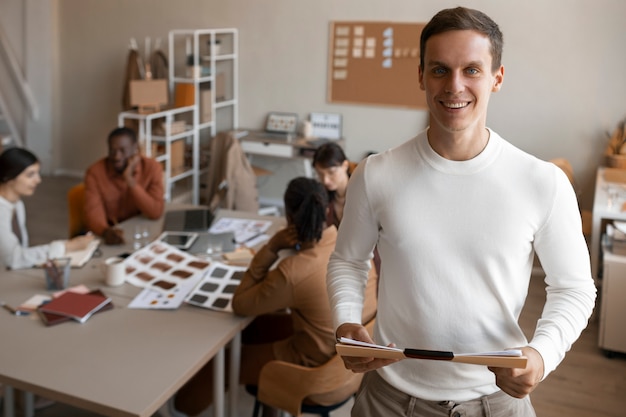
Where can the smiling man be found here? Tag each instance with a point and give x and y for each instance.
(122, 185)
(457, 214)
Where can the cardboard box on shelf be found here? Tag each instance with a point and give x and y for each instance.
(148, 95)
(184, 95)
(177, 157)
(220, 87)
(206, 115)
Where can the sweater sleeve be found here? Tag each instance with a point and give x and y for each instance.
(95, 211)
(571, 292)
(148, 191)
(350, 262)
(15, 256)
(262, 290)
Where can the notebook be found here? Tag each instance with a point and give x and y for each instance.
(80, 257)
(75, 306)
(50, 319)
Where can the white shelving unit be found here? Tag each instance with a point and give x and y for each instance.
(195, 59)
(147, 137)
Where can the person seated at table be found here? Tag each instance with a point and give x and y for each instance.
(19, 177)
(333, 170)
(120, 186)
(305, 334)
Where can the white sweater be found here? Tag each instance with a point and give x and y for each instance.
(456, 241)
(15, 255)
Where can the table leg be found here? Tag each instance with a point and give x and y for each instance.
(233, 374)
(9, 404)
(218, 384)
(29, 404)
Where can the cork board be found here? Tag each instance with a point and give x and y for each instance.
(375, 63)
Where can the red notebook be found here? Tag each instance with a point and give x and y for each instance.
(74, 306)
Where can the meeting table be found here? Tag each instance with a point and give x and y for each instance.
(123, 362)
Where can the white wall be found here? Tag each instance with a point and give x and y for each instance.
(564, 83)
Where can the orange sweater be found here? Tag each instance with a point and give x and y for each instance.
(109, 200)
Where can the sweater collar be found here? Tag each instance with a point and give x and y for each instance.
(470, 166)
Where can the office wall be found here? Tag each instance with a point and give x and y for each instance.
(564, 83)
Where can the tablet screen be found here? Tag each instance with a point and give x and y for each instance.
(179, 240)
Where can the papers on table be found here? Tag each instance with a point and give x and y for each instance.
(166, 273)
(216, 289)
(245, 230)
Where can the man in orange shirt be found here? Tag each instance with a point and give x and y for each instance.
(122, 185)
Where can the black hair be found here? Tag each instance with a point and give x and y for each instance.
(329, 155)
(306, 202)
(122, 131)
(13, 161)
(462, 18)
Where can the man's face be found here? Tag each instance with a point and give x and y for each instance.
(458, 80)
(120, 149)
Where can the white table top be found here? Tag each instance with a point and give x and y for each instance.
(122, 362)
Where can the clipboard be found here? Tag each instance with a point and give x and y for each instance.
(503, 359)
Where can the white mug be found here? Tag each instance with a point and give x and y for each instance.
(114, 271)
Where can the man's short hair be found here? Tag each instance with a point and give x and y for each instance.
(122, 131)
(461, 18)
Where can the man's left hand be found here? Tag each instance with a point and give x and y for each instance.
(519, 383)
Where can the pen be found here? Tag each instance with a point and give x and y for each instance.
(249, 239)
(14, 311)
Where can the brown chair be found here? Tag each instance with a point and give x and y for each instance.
(299, 389)
(76, 210)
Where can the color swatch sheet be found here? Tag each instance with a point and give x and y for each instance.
(166, 273)
(215, 290)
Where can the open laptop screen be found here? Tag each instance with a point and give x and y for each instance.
(189, 220)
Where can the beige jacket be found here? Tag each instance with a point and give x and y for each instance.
(231, 182)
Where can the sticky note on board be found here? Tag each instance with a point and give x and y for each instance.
(340, 74)
(342, 31)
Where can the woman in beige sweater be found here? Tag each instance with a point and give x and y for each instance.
(294, 322)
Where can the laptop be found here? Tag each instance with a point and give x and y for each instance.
(188, 220)
(198, 220)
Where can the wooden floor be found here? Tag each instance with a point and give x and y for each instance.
(586, 384)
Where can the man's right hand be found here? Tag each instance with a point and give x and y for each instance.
(113, 236)
(358, 332)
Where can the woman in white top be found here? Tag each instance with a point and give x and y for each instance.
(19, 177)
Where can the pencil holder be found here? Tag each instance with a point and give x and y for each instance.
(57, 274)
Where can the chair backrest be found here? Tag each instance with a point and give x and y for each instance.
(287, 386)
(76, 210)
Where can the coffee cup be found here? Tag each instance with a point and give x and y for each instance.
(114, 271)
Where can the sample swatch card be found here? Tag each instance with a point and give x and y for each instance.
(215, 290)
(166, 273)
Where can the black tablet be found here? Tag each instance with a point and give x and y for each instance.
(181, 240)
